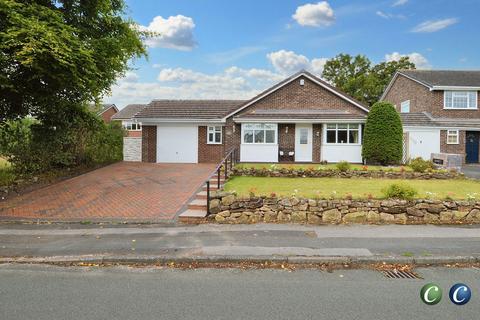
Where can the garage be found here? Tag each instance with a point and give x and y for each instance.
(423, 142)
(177, 143)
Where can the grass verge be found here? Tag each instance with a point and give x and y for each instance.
(327, 188)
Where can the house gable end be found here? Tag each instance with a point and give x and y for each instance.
(302, 92)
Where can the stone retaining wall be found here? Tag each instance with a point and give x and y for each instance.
(227, 208)
(330, 173)
(132, 148)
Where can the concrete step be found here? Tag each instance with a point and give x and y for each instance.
(198, 204)
(193, 216)
(213, 187)
(201, 195)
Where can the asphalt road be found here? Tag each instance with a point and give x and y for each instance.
(46, 292)
(260, 239)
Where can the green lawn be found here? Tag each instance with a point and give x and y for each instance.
(357, 188)
(330, 166)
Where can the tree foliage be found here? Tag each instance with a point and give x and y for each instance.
(383, 135)
(32, 146)
(57, 54)
(357, 77)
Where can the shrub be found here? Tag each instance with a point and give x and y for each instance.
(383, 135)
(343, 166)
(420, 165)
(400, 191)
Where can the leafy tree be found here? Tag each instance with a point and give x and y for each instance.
(383, 135)
(58, 54)
(357, 77)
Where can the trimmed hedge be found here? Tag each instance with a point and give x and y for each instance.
(383, 135)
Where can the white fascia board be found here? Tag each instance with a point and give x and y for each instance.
(246, 120)
(441, 128)
(287, 82)
(455, 88)
(184, 120)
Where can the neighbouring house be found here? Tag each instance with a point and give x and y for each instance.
(439, 111)
(132, 142)
(300, 119)
(105, 111)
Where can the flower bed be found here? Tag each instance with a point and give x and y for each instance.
(227, 208)
(332, 173)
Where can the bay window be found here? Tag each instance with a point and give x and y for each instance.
(342, 133)
(259, 133)
(460, 99)
(214, 135)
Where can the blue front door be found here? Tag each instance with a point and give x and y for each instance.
(472, 146)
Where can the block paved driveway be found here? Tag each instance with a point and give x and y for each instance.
(125, 190)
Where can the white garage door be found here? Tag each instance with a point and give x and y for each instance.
(422, 143)
(177, 143)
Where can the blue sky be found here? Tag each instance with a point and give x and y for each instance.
(234, 49)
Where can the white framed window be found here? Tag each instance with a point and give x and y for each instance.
(214, 135)
(460, 100)
(259, 133)
(132, 126)
(405, 106)
(343, 133)
(452, 137)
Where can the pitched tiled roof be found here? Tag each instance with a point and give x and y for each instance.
(424, 119)
(457, 78)
(188, 109)
(102, 108)
(299, 114)
(128, 112)
(416, 119)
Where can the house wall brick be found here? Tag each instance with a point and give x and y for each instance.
(308, 96)
(232, 137)
(209, 152)
(424, 100)
(286, 140)
(453, 148)
(149, 144)
(134, 133)
(107, 115)
(317, 142)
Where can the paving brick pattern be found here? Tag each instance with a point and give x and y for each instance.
(136, 191)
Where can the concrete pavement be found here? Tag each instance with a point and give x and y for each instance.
(46, 292)
(367, 243)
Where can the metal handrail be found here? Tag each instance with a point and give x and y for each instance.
(231, 155)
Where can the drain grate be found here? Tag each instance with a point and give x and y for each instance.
(397, 274)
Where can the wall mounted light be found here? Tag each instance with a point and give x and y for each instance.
(318, 133)
(233, 128)
(286, 129)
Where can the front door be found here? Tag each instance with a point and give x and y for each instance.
(303, 142)
(472, 146)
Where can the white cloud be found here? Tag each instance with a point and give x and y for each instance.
(231, 83)
(420, 61)
(288, 62)
(434, 25)
(180, 83)
(399, 3)
(130, 76)
(315, 15)
(385, 15)
(175, 32)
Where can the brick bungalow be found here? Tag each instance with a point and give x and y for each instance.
(439, 110)
(300, 119)
(106, 111)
